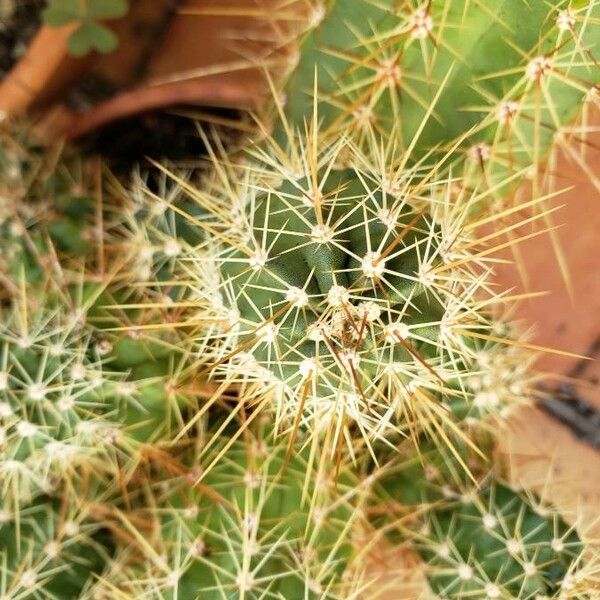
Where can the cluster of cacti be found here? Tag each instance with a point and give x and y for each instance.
(219, 386)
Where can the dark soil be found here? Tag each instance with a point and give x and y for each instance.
(19, 21)
(160, 135)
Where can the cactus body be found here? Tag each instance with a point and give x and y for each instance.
(485, 540)
(493, 84)
(334, 254)
(355, 290)
(251, 524)
(496, 545)
(46, 553)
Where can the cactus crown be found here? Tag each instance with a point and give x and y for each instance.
(353, 285)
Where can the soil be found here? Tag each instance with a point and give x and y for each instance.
(159, 135)
(19, 21)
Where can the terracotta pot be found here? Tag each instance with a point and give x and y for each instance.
(568, 316)
(196, 53)
(46, 79)
(45, 62)
(542, 453)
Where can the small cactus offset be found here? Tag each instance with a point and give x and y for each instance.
(217, 386)
(485, 539)
(497, 544)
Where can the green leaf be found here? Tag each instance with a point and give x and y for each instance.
(92, 36)
(107, 9)
(62, 12)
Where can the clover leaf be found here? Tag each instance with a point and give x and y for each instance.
(62, 12)
(91, 34)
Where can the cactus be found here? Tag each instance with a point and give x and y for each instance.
(47, 552)
(354, 286)
(484, 539)
(245, 523)
(79, 396)
(493, 83)
(329, 264)
(213, 387)
(496, 544)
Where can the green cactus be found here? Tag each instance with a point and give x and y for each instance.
(495, 544)
(66, 412)
(483, 539)
(334, 253)
(499, 80)
(213, 387)
(81, 390)
(46, 552)
(247, 523)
